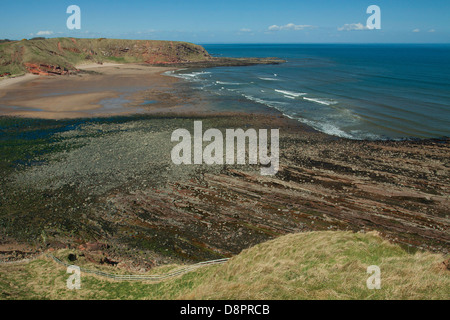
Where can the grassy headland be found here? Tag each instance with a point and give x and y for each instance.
(66, 53)
(62, 55)
(316, 265)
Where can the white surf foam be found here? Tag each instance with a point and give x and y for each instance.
(229, 83)
(187, 76)
(195, 74)
(326, 102)
(327, 128)
(272, 104)
(291, 93)
(269, 79)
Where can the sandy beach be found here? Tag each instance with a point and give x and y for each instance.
(17, 82)
(81, 95)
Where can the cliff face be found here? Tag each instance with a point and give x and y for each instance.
(61, 55)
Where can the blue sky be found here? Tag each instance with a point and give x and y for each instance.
(233, 21)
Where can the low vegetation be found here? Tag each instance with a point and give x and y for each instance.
(311, 265)
(18, 57)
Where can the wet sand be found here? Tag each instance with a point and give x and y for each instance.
(4, 83)
(84, 94)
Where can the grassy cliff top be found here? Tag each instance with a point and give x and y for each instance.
(65, 53)
(312, 265)
(62, 55)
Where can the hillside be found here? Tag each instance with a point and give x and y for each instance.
(311, 265)
(61, 55)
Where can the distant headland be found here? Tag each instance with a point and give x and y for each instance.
(60, 56)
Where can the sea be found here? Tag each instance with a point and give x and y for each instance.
(356, 91)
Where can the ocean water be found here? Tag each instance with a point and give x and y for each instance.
(352, 91)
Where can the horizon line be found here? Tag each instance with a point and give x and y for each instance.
(251, 43)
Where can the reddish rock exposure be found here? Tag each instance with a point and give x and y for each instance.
(446, 264)
(45, 70)
(92, 246)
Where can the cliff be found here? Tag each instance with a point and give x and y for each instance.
(61, 55)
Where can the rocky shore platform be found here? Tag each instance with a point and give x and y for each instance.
(107, 186)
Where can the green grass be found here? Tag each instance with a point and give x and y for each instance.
(67, 52)
(315, 265)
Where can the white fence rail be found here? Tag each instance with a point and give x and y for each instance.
(144, 277)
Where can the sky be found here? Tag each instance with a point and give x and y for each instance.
(232, 21)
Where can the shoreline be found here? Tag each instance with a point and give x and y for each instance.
(88, 104)
(4, 83)
(108, 89)
(324, 183)
(50, 99)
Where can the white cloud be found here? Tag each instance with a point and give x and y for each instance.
(416, 30)
(290, 26)
(246, 30)
(353, 27)
(44, 33)
(431, 30)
